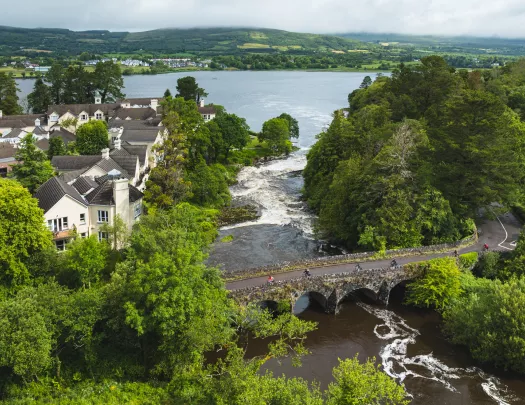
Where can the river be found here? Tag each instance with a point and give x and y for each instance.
(407, 342)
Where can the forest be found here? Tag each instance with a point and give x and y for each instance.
(416, 155)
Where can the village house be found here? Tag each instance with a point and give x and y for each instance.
(83, 205)
(208, 112)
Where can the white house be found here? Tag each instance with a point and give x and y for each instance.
(84, 205)
(208, 113)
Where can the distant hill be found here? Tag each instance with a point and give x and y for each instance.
(483, 45)
(206, 41)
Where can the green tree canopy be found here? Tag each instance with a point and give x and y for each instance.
(108, 81)
(439, 284)
(188, 89)
(22, 232)
(276, 133)
(234, 131)
(85, 259)
(92, 137)
(40, 98)
(8, 95)
(34, 169)
(363, 384)
(293, 125)
(56, 147)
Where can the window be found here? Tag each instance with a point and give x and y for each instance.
(54, 117)
(82, 218)
(102, 236)
(113, 139)
(83, 235)
(103, 216)
(57, 224)
(83, 117)
(98, 116)
(60, 244)
(138, 210)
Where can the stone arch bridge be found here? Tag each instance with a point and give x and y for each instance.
(329, 289)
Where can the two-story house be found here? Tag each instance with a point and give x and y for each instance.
(84, 205)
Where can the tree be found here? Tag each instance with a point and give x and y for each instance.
(366, 83)
(118, 232)
(234, 132)
(8, 95)
(34, 168)
(56, 148)
(108, 81)
(25, 343)
(439, 284)
(85, 259)
(22, 232)
(55, 77)
(188, 89)
(167, 93)
(363, 384)
(293, 125)
(209, 186)
(490, 321)
(276, 133)
(92, 137)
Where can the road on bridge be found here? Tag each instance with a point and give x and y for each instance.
(499, 234)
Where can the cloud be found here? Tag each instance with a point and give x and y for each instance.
(504, 18)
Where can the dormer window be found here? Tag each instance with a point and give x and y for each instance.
(98, 116)
(54, 117)
(83, 117)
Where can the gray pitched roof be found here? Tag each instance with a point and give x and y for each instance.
(140, 101)
(42, 144)
(207, 110)
(39, 131)
(64, 163)
(14, 133)
(103, 194)
(138, 150)
(135, 124)
(76, 109)
(140, 135)
(128, 163)
(110, 164)
(7, 150)
(49, 193)
(135, 113)
(84, 184)
(68, 177)
(21, 121)
(64, 134)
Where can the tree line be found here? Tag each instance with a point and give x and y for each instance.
(416, 155)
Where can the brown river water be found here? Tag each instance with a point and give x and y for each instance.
(409, 345)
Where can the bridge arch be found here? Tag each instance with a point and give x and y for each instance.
(304, 301)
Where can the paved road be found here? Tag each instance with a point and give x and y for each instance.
(500, 234)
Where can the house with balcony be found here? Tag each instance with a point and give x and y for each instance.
(82, 206)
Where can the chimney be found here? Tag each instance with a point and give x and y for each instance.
(201, 102)
(154, 104)
(37, 122)
(105, 153)
(118, 144)
(121, 198)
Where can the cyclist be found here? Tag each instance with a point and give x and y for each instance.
(270, 280)
(358, 267)
(307, 273)
(485, 247)
(393, 264)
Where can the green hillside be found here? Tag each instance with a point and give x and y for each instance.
(208, 41)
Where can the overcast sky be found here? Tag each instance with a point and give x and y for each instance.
(504, 18)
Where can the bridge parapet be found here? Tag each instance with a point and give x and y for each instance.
(329, 289)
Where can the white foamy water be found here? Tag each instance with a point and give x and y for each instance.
(265, 186)
(397, 364)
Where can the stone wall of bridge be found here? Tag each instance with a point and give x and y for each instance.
(329, 289)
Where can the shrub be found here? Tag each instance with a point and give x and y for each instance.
(468, 260)
(488, 265)
(439, 284)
